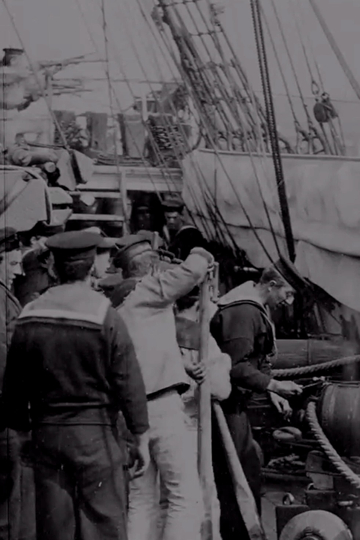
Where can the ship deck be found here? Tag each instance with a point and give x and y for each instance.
(273, 493)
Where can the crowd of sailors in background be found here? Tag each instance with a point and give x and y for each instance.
(100, 376)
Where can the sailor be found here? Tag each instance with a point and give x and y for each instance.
(147, 310)
(71, 367)
(243, 329)
(182, 236)
(37, 262)
(217, 369)
(103, 256)
(10, 469)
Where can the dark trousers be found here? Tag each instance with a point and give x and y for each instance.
(17, 498)
(231, 523)
(10, 474)
(79, 483)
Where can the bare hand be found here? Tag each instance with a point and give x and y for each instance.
(281, 405)
(197, 372)
(142, 461)
(287, 388)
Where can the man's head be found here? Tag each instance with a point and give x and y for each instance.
(10, 256)
(103, 253)
(173, 210)
(74, 254)
(274, 289)
(135, 257)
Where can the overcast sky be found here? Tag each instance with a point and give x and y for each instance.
(55, 29)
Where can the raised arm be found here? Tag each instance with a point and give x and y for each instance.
(166, 287)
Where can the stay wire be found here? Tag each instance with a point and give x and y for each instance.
(261, 194)
(270, 111)
(296, 121)
(311, 126)
(195, 165)
(32, 66)
(168, 46)
(147, 168)
(168, 125)
(215, 150)
(228, 100)
(151, 137)
(338, 144)
(111, 104)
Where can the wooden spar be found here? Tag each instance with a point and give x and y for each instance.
(123, 192)
(243, 493)
(204, 431)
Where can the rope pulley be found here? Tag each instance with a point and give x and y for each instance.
(324, 110)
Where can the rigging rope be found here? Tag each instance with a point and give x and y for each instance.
(107, 71)
(311, 127)
(213, 145)
(168, 126)
(199, 171)
(314, 368)
(179, 157)
(299, 130)
(32, 66)
(338, 143)
(314, 84)
(233, 188)
(270, 113)
(344, 65)
(119, 106)
(248, 149)
(327, 447)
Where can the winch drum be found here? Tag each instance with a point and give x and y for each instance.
(339, 416)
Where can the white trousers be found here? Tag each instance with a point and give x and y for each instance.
(173, 463)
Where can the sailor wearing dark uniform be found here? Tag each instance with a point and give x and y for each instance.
(10, 472)
(182, 236)
(37, 262)
(243, 329)
(71, 367)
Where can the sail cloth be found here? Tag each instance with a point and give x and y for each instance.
(23, 202)
(324, 202)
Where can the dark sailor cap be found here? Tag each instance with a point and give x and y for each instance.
(8, 240)
(106, 243)
(74, 245)
(129, 246)
(173, 204)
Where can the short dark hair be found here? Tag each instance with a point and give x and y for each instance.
(271, 274)
(70, 271)
(138, 266)
(189, 300)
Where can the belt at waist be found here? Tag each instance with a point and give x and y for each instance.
(68, 415)
(180, 388)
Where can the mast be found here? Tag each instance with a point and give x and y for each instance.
(272, 126)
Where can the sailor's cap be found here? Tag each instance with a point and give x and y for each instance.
(129, 246)
(173, 204)
(8, 240)
(106, 243)
(74, 245)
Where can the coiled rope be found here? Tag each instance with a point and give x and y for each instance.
(327, 447)
(314, 368)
